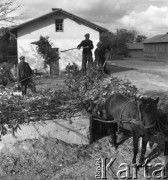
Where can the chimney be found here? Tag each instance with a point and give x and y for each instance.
(56, 9)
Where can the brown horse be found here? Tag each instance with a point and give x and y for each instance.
(136, 115)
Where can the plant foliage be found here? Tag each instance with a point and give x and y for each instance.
(44, 49)
(94, 87)
(84, 91)
(46, 105)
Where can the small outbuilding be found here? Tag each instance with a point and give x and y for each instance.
(156, 48)
(135, 50)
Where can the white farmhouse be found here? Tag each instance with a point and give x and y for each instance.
(65, 31)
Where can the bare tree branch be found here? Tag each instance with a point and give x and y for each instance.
(7, 7)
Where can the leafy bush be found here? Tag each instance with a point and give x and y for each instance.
(44, 48)
(46, 105)
(6, 75)
(94, 87)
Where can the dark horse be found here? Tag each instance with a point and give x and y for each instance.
(136, 115)
(162, 127)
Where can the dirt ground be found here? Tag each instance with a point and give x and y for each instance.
(151, 78)
(51, 159)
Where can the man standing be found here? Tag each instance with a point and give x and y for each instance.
(74, 67)
(68, 68)
(24, 75)
(100, 58)
(87, 45)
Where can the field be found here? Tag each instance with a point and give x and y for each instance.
(51, 159)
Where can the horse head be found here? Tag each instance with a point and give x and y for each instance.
(147, 111)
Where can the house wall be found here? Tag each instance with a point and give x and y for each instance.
(135, 53)
(156, 52)
(73, 34)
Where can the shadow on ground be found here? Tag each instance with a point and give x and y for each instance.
(115, 69)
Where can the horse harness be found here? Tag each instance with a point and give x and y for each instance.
(131, 120)
(138, 120)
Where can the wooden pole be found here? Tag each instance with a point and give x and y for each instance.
(106, 59)
(71, 49)
(68, 49)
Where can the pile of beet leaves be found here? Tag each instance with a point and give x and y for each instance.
(84, 90)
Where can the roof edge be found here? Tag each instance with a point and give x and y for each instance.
(71, 16)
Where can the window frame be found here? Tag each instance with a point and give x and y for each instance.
(60, 25)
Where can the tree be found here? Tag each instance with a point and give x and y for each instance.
(118, 40)
(121, 38)
(106, 38)
(127, 36)
(8, 43)
(140, 38)
(7, 7)
(44, 49)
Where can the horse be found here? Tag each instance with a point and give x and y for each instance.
(137, 115)
(162, 127)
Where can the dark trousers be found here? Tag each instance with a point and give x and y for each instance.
(28, 84)
(87, 58)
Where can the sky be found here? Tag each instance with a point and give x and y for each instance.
(148, 17)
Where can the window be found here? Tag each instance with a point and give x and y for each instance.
(59, 25)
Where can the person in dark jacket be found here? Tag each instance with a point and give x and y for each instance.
(87, 45)
(74, 67)
(24, 75)
(68, 68)
(100, 56)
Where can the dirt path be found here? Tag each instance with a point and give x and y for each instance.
(151, 78)
(51, 159)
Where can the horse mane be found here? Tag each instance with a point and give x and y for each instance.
(162, 118)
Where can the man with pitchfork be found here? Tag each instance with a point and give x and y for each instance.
(87, 45)
(24, 75)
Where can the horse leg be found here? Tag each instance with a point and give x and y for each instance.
(145, 140)
(115, 135)
(166, 154)
(112, 129)
(135, 146)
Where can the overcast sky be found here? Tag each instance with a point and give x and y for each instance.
(149, 17)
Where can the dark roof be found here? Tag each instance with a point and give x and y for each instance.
(71, 16)
(163, 38)
(134, 45)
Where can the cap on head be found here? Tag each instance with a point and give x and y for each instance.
(22, 58)
(87, 35)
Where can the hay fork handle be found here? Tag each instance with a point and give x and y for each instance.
(71, 49)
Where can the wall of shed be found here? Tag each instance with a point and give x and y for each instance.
(135, 53)
(73, 34)
(156, 52)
